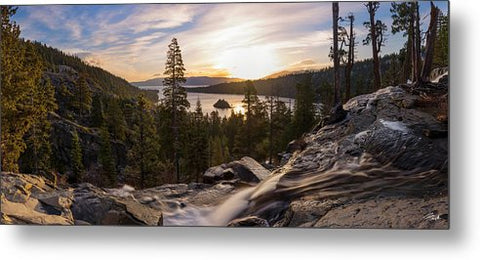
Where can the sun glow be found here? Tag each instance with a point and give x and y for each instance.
(249, 63)
(239, 109)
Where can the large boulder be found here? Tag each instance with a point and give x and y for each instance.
(245, 170)
(99, 207)
(389, 146)
(30, 199)
(251, 221)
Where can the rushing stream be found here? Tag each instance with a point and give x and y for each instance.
(370, 154)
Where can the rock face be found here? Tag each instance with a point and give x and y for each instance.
(384, 166)
(30, 199)
(98, 207)
(245, 170)
(251, 221)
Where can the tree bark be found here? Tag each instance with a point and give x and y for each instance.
(413, 52)
(373, 35)
(336, 58)
(418, 42)
(431, 34)
(349, 66)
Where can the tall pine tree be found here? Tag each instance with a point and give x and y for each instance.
(76, 160)
(175, 96)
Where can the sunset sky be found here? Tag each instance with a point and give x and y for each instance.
(235, 40)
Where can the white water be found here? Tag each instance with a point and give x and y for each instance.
(210, 216)
(439, 77)
(222, 214)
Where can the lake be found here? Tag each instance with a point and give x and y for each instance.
(208, 99)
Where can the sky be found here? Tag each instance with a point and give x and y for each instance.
(249, 40)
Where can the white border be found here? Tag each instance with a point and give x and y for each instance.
(462, 241)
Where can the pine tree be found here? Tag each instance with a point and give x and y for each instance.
(195, 145)
(21, 89)
(304, 110)
(143, 156)
(76, 159)
(376, 38)
(115, 119)
(106, 159)
(440, 58)
(82, 97)
(402, 22)
(98, 115)
(37, 157)
(254, 114)
(175, 96)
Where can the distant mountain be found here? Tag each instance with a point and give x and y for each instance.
(284, 73)
(191, 81)
(284, 83)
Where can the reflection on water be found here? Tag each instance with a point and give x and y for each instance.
(208, 99)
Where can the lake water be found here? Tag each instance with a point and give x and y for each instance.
(208, 99)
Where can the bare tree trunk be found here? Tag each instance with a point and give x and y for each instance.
(407, 63)
(418, 42)
(413, 52)
(336, 58)
(271, 130)
(432, 32)
(350, 60)
(373, 34)
(174, 124)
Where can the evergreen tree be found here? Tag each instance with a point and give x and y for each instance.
(255, 126)
(402, 21)
(304, 111)
(82, 95)
(37, 157)
(196, 144)
(175, 96)
(376, 38)
(76, 159)
(98, 115)
(115, 119)
(21, 92)
(440, 58)
(392, 75)
(143, 156)
(106, 159)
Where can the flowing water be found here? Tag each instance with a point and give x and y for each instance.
(271, 196)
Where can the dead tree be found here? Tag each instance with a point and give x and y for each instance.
(336, 58)
(350, 43)
(373, 38)
(430, 45)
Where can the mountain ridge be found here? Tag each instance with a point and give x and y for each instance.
(191, 81)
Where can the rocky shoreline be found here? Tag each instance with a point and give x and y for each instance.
(385, 165)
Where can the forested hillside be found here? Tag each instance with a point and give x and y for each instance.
(56, 61)
(322, 81)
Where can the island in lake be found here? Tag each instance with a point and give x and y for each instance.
(222, 104)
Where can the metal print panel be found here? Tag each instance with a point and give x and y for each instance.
(318, 115)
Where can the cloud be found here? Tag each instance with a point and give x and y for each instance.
(215, 39)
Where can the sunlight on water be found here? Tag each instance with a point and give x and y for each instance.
(239, 109)
(208, 99)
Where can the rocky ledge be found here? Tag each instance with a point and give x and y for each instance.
(382, 165)
(385, 165)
